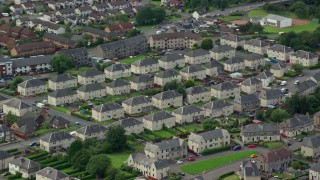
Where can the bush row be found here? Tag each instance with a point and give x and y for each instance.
(40, 154)
(12, 150)
(62, 166)
(215, 150)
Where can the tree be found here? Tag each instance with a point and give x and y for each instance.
(297, 67)
(148, 16)
(61, 63)
(81, 159)
(296, 165)
(99, 40)
(171, 85)
(111, 173)
(116, 138)
(209, 124)
(195, 46)
(74, 147)
(189, 83)
(133, 32)
(11, 118)
(207, 44)
(14, 83)
(98, 164)
(6, 9)
(279, 115)
(259, 115)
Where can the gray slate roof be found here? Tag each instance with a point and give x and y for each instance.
(253, 56)
(123, 43)
(118, 67)
(171, 57)
(297, 120)
(303, 86)
(197, 52)
(217, 104)
(264, 128)
(58, 121)
(15, 103)
(251, 81)
(57, 136)
(281, 48)
(52, 173)
(271, 94)
(91, 72)
(315, 167)
(192, 68)
(118, 83)
(90, 129)
(163, 145)
(311, 142)
(31, 83)
(264, 75)
(4, 155)
(225, 86)
(190, 109)
(232, 37)
(20, 62)
(250, 169)
(257, 43)
(91, 87)
(157, 116)
(143, 78)
(144, 62)
(196, 90)
(62, 93)
(62, 78)
(128, 122)
(214, 63)
(222, 48)
(107, 107)
(316, 76)
(279, 66)
(233, 60)
(167, 95)
(141, 158)
(25, 163)
(167, 74)
(248, 98)
(213, 134)
(137, 100)
(304, 54)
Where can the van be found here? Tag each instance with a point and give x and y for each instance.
(283, 83)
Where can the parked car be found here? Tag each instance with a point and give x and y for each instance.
(283, 83)
(253, 156)
(236, 148)
(181, 173)
(33, 144)
(296, 82)
(300, 140)
(179, 162)
(252, 146)
(191, 159)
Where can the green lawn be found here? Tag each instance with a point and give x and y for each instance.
(133, 59)
(157, 3)
(61, 109)
(201, 103)
(75, 72)
(230, 18)
(117, 159)
(208, 164)
(190, 128)
(273, 145)
(298, 28)
(261, 13)
(232, 177)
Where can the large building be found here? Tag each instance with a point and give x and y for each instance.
(78, 55)
(260, 132)
(277, 21)
(33, 49)
(174, 40)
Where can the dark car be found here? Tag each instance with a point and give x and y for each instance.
(236, 148)
(300, 140)
(181, 173)
(33, 144)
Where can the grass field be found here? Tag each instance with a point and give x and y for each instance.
(75, 72)
(273, 145)
(133, 59)
(230, 18)
(208, 164)
(298, 28)
(117, 159)
(261, 13)
(61, 109)
(157, 3)
(232, 177)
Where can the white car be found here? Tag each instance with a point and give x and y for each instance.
(179, 162)
(296, 82)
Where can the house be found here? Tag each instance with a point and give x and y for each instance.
(138, 104)
(59, 122)
(195, 71)
(208, 140)
(120, 28)
(90, 76)
(167, 99)
(6, 134)
(251, 85)
(304, 88)
(158, 120)
(225, 90)
(280, 52)
(246, 103)
(144, 66)
(254, 61)
(256, 46)
(118, 87)
(27, 125)
(56, 141)
(157, 169)
(279, 69)
(108, 111)
(198, 94)
(92, 131)
(266, 77)
(5, 158)
(222, 51)
(314, 172)
(62, 81)
(198, 56)
(188, 114)
(16, 107)
(304, 58)
(131, 125)
(142, 82)
(277, 21)
(116, 71)
(316, 78)
(174, 40)
(233, 64)
(271, 97)
(218, 108)
(59, 41)
(260, 132)
(276, 160)
(83, 11)
(100, 7)
(171, 61)
(311, 146)
(213, 68)
(167, 149)
(316, 118)
(200, 13)
(32, 87)
(32, 49)
(166, 76)
(116, 5)
(90, 91)
(3, 99)
(62, 97)
(78, 55)
(95, 33)
(49, 173)
(249, 171)
(232, 40)
(296, 125)
(25, 166)
(17, 9)
(123, 48)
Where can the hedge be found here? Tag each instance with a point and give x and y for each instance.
(12, 150)
(215, 150)
(226, 175)
(88, 177)
(55, 163)
(16, 153)
(62, 166)
(41, 154)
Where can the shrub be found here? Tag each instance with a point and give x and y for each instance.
(12, 150)
(225, 175)
(41, 154)
(215, 150)
(62, 166)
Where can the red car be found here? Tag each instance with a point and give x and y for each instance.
(191, 159)
(252, 146)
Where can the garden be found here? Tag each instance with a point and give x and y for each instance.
(209, 164)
